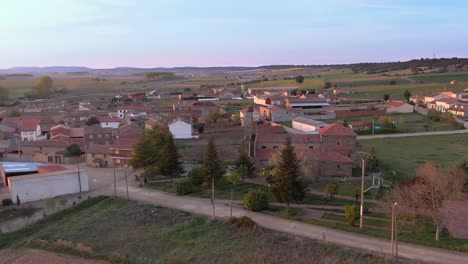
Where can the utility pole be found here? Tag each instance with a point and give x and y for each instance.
(126, 181)
(373, 126)
(361, 214)
(115, 184)
(212, 195)
(79, 175)
(394, 236)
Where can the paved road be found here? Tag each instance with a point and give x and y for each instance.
(203, 207)
(430, 133)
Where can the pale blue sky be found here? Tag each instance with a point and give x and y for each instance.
(149, 33)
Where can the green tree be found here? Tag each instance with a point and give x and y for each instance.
(73, 150)
(13, 113)
(386, 97)
(287, 182)
(327, 85)
(255, 200)
(244, 160)
(351, 214)
(148, 151)
(170, 163)
(213, 168)
(44, 86)
(299, 79)
(92, 121)
(407, 95)
(331, 189)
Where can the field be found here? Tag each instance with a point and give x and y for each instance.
(149, 234)
(405, 154)
(356, 85)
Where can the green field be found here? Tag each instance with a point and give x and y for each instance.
(150, 234)
(405, 154)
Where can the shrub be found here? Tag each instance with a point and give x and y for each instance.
(7, 202)
(331, 189)
(351, 214)
(183, 186)
(196, 176)
(243, 222)
(255, 200)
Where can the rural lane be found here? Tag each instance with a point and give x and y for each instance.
(430, 133)
(203, 207)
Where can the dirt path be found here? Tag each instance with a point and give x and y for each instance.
(31, 256)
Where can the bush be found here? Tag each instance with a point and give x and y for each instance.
(183, 186)
(7, 202)
(351, 214)
(196, 176)
(243, 222)
(255, 200)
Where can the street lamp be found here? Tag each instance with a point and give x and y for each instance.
(363, 165)
(394, 236)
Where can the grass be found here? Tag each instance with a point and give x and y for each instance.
(347, 188)
(405, 154)
(8, 214)
(150, 234)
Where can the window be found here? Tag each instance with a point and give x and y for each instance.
(311, 147)
(263, 147)
(91, 136)
(106, 135)
(338, 143)
(275, 147)
(92, 155)
(338, 166)
(99, 135)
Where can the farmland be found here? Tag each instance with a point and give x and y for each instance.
(405, 154)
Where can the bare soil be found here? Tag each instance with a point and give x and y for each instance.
(31, 256)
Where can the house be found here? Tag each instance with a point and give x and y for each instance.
(286, 90)
(182, 129)
(110, 122)
(123, 111)
(122, 150)
(65, 132)
(442, 105)
(307, 125)
(30, 130)
(399, 107)
(98, 156)
(460, 110)
(97, 135)
(434, 97)
(462, 96)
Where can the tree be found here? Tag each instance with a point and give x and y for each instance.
(407, 95)
(299, 79)
(331, 189)
(351, 214)
(213, 169)
(4, 95)
(372, 163)
(244, 160)
(287, 182)
(92, 121)
(386, 97)
(327, 85)
(255, 200)
(213, 117)
(170, 163)
(148, 151)
(73, 150)
(234, 179)
(426, 194)
(13, 113)
(43, 86)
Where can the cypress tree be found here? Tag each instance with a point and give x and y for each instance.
(244, 160)
(212, 165)
(287, 183)
(170, 163)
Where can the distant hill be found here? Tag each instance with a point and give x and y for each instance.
(437, 65)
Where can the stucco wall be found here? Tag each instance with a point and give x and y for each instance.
(41, 186)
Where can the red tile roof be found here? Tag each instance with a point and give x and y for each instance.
(395, 104)
(336, 130)
(109, 119)
(29, 124)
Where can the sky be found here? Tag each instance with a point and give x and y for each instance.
(157, 33)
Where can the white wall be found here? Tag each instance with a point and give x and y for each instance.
(303, 127)
(181, 129)
(114, 125)
(33, 188)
